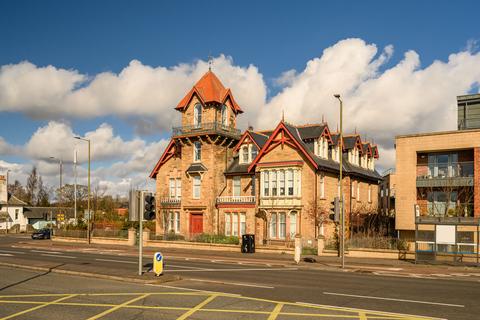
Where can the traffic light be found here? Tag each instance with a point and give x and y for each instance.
(148, 206)
(335, 210)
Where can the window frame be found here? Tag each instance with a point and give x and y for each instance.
(196, 178)
(197, 151)
(237, 183)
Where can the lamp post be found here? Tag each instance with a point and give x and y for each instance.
(8, 214)
(88, 201)
(60, 198)
(342, 245)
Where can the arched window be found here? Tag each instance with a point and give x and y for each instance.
(197, 115)
(224, 116)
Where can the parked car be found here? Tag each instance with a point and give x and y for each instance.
(41, 234)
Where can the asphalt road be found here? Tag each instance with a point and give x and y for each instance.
(427, 297)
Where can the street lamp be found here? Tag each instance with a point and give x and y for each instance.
(60, 198)
(88, 202)
(8, 214)
(342, 246)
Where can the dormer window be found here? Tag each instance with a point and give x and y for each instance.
(245, 154)
(197, 115)
(321, 147)
(224, 116)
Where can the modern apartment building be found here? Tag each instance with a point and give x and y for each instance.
(438, 174)
(278, 183)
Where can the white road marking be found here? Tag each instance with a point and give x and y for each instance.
(119, 261)
(49, 252)
(58, 256)
(11, 251)
(236, 269)
(6, 255)
(185, 267)
(393, 299)
(367, 310)
(194, 290)
(375, 268)
(234, 283)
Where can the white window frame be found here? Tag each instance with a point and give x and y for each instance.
(293, 224)
(197, 115)
(253, 154)
(196, 183)
(179, 188)
(197, 151)
(244, 154)
(322, 186)
(281, 183)
(224, 114)
(172, 188)
(243, 223)
(228, 224)
(235, 220)
(273, 225)
(289, 176)
(237, 183)
(282, 225)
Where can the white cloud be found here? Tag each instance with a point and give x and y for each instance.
(404, 98)
(381, 100)
(138, 90)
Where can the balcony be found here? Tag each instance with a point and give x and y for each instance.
(235, 199)
(207, 128)
(442, 212)
(170, 202)
(455, 174)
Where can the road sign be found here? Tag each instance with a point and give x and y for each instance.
(158, 263)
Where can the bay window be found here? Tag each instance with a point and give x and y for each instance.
(282, 182)
(266, 180)
(228, 224)
(273, 180)
(235, 224)
(290, 182)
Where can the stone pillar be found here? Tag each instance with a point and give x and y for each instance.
(131, 236)
(298, 248)
(476, 182)
(320, 245)
(146, 236)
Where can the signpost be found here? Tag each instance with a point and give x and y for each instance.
(158, 263)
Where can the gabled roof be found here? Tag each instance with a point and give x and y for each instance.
(257, 138)
(367, 149)
(209, 89)
(290, 137)
(311, 131)
(13, 201)
(235, 167)
(169, 152)
(350, 141)
(375, 151)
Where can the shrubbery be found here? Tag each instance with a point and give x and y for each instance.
(216, 238)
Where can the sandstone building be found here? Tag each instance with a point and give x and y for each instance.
(278, 183)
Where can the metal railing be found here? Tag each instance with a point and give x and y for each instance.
(236, 199)
(170, 201)
(440, 171)
(444, 209)
(208, 127)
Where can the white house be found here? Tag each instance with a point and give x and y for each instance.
(11, 209)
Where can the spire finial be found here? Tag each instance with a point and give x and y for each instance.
(355, 129)
(210, 61)
(337, 128)
(283, 115)
(323, 118)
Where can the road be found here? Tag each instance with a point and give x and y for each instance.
(426, 297)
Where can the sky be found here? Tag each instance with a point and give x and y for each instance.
(112, 71)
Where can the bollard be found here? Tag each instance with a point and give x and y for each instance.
(131, 236)
(320, 245)
(298, 249)
(146, 236)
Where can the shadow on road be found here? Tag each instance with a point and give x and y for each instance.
(30, 278)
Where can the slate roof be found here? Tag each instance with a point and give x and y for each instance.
(259, 138)
(13, 201)
(237, 168)
(311, 131)
(335, 138)
(196, 167)
(44, 212)
(349, 141)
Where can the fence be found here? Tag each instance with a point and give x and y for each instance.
(110, 233)
(389, 243)
(70, 233)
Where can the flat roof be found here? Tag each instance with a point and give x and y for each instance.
(437, 133)
(467, 97)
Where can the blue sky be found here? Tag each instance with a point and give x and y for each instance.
(92, 37)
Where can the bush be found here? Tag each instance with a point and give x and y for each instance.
(216, 238)
(172, 236)
(309, 251)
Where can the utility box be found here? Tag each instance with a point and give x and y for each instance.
(248, 243)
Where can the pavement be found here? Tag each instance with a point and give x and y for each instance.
(381, 285)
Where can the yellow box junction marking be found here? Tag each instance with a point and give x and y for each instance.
(44, 304)
(189, 311)
(197, 307)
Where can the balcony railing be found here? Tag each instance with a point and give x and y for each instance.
(206, 128)
(446, 210)
(170, 201)
(452, 174)
(236, 199)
